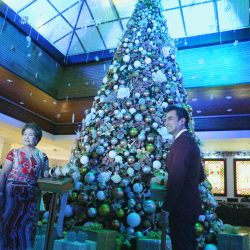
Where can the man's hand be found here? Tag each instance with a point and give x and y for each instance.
(164, 217)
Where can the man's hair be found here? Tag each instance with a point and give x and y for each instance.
(180, 112)
(37, 130)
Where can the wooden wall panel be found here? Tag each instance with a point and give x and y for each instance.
(30, 63)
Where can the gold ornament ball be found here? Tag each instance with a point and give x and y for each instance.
(131, 160)
(83, 170)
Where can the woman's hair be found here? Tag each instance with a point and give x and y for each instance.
(37, 130)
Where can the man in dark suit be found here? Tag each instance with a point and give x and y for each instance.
(182, 204)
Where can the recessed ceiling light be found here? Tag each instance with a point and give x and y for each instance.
(22, 103)
(194, 99)
(228, 97)
(198, 111)
(229, 110)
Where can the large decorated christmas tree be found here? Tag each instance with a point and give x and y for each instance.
(123, 142)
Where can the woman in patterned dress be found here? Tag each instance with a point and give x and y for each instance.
(19, 194)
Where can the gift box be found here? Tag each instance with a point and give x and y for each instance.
(40, 236)
(41, 230)
(66, 244)
(229, 241)
(39, 242)
(105, 239)
(149, 244)
(158, 192)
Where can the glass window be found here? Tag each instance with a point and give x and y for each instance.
(174, 23)
(233, 14)
(75, 47)
(55, 29)
(123, 8)
(90, 39)
(17, 4)
(111, 33)
(101, 10)
(62, 5)
(39, 13)
(199, 19)
(170, 4)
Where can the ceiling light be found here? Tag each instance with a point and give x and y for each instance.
(9, 80)
(198, 111)
(228, 97)
(194, 99)
(229, 110)
(22, 103)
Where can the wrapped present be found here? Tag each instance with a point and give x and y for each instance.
(39, 242)
(41, 230)
(145, 243)
(230, 241)
(158, 191)
(66, 244)
(105, 239)
(40, 236)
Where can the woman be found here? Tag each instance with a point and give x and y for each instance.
(19, 194)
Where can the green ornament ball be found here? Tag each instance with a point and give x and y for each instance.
(199, 228)
(44, 221)
(133, 132)
(120, 213)
(116, 224)
(74, 196)
(150, 147)
(104, 209)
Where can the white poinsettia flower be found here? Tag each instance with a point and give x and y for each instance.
(123, 93)
(164, 134)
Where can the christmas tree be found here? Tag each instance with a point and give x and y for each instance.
(123, 142)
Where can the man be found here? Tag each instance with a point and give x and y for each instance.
(182, 204)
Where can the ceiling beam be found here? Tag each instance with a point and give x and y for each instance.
(225, 37)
